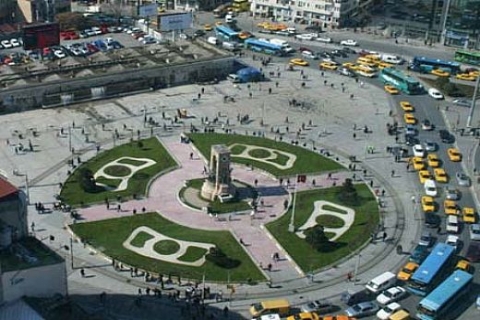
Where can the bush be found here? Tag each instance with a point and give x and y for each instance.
(217, 257)
(316, 238)
(348, 194)
(87, 181)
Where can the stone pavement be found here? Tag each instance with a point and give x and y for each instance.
(333, 117)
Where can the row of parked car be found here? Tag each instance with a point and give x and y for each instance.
(11, 43)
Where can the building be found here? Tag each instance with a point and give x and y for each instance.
(462, 24)
(27, 266)
(41, 10)
(324, 13)
(7, 11)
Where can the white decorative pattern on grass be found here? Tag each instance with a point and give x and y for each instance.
(268, 160)
(348, 217)
(133, 169)
(148, 249)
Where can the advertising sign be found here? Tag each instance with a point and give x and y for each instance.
(148, 10)
(175, 21)
(40, 36)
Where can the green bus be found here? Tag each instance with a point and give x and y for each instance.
(470, 57)
(401, 81)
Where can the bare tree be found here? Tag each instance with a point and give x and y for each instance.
(119, 8)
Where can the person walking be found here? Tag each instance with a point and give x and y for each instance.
(82, 273)
(384, 236)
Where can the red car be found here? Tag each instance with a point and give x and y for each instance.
(473, 252)
(301, 49)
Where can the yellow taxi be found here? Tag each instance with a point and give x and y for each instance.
(263, 24)
(218, 23)
(475, 74)
(381, 65)
(454, 155)
(433, 160)
(417, 163)
(348, 65)
(469, 215)
(406, 272)
(466, 77)
(305, 316)
(244, 35)
(440, 73)
(299, 62)
(428, 205)
(407, 106)
(391, 89)
(424, 175)
(327, 65)
(464, 265)
(451, 207)
(440, 175)
(409, 118)
(208, 27)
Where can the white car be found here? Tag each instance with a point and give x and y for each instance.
(452, 240)
(418, 151)
(391, 295)
(309, 55)
(306, 36)
(349, 42)
(59, 54)
(326, 40)
(15, 42)
(435, 94)
(452, 224)
(6, 44)
(430, 188)
(388, 310)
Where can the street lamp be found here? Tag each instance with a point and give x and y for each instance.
(472, 106)
(291, 226)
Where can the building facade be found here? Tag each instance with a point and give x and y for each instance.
(41, 10)
(7, 11)
(324, 13)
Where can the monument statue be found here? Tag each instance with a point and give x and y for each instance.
(219, 181)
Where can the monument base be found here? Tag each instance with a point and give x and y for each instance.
(225, 192)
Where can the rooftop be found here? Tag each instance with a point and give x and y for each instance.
(6, 188)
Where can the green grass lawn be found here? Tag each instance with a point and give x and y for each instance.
(366, 220)
(307, 161)
(73, 193)
(110, 234)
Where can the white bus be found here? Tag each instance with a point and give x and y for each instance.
(282, 43)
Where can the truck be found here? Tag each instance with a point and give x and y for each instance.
(284, 44)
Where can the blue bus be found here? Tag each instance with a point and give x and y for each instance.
(446, 295)
(264, 46)
(226, 34)
(401, 81)
(426, 65)
(432, 271)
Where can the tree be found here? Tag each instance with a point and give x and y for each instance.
(315, 237)
(87, 181)
(348, 193)
(72, 20)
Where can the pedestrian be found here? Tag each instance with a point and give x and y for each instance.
(119, 207)
(351, 96)
(285, 204)
(372, 237)
(354, 135)
(313, 183)
(384, 236)
(383, 192)
(269, 267)
(140, 291)
(82, 273)
(33, 226)
(349, 277)
(408, 166)
(439, 229)
(414, 200)
(241, 241)
(393, 173)
(191, 155)
(147, 291)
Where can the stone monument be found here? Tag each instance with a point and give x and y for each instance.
(219, 181)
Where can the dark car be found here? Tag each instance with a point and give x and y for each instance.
(411, 140)
(419, 254)
(348, 50)
(355, 295)
(432, 220)
(340, 53)
(314, 28)
(199, 33)
(473, 252)
(446, 136)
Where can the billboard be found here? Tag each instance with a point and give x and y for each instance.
(40, 36)
(148, 10)
(175, 21)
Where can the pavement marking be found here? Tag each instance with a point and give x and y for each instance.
(274, 153)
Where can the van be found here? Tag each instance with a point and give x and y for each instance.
(234, 78)
(355, 295)
(391, 59)
(212, 40)
(400, 315)
(229, 46)
(280, 306)
(228, 18)
(382, 282)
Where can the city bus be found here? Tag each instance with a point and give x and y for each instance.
(226, 34)
(401, 81)
(426, 65)
(470, 57)
(432, 270)
(240, 5)
(264, 46)
(447, 295)
(222, 10)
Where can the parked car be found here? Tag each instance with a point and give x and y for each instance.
(388, 310)
(473, 252)
(453, 224)
(363, 309)
(474, 230)
(432, 220)
(446, 136)
(431, 146)
(462, 102)
(319, 306)
(452, 194)
(462, 179)
(426, 239)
